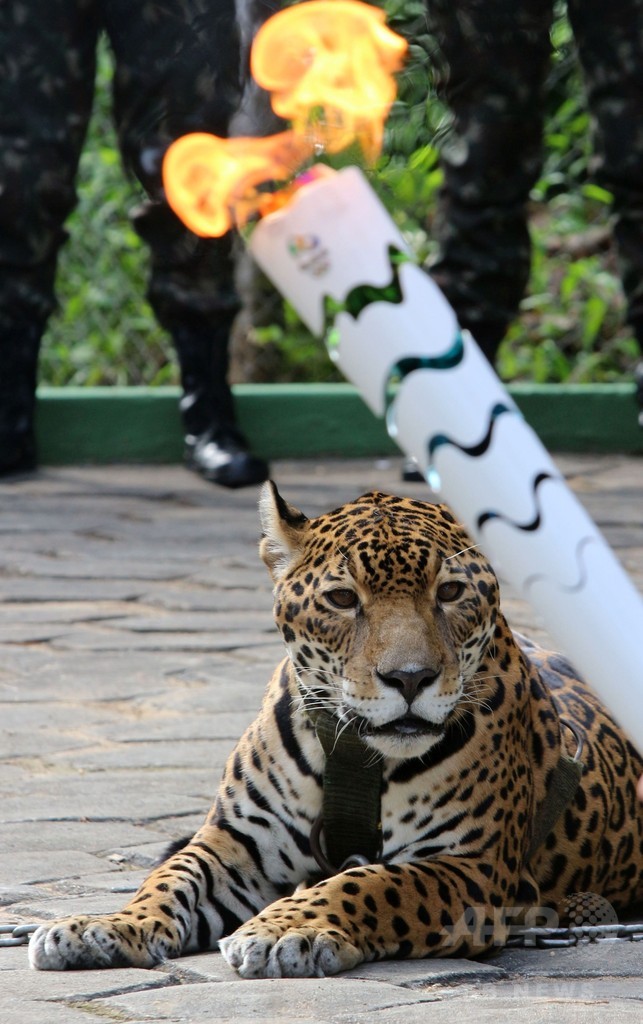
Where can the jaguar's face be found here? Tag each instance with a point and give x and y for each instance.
(386, 610)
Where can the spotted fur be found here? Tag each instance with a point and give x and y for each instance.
(391, 621)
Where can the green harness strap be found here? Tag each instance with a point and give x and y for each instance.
(351, 806)
(351, 811)
(562, 789)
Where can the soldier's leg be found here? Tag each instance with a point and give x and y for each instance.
(177, 71)
(610, 45)
(46, 87)
(254, 115)
(495, 55)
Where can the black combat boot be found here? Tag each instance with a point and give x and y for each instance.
(19, 348)
(214, 445)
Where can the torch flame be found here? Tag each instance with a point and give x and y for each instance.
(331, 56)
(211, 183)
(335, 55)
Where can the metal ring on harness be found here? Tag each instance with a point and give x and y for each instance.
(577, 734)
(354, 861)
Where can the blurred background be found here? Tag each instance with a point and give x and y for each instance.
(571, 324)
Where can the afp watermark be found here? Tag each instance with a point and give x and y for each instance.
(583, 914)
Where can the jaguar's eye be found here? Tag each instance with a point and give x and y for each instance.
(342, 597)
(451, 590)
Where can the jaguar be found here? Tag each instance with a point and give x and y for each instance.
(462, 739)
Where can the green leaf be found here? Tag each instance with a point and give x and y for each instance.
(600, 195)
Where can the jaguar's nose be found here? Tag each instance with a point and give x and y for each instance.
(410, 682)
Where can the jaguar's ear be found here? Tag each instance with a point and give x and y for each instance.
(281, 524)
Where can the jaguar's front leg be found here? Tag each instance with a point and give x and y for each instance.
(202, 892)
(408, 910)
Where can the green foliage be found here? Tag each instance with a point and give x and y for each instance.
(303, 357)
(570, 326)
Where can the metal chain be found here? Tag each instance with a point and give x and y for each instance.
(551, 938)
(555, 938)
(16, 934)
(525, 938)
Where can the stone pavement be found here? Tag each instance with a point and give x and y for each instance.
(136, 639)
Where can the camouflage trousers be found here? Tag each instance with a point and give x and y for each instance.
(496, 55)
(176, 71)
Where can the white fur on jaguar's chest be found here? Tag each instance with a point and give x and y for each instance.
(411, 820)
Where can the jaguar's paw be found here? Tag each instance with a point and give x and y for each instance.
(256, 950)
(89, 942)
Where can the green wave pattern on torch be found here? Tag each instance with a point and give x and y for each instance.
(364, 295)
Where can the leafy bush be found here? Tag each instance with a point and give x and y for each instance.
(570, 326)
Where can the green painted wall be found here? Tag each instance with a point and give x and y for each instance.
(297, 421)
